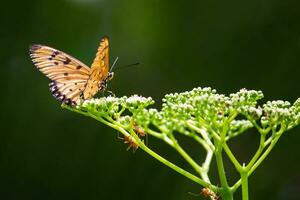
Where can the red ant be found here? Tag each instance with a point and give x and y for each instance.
(129, 141)
(207, 193)
(139, 131)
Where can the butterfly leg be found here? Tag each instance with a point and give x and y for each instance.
(111, 93)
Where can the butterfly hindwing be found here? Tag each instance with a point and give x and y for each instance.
(69, 76)
(68, 93)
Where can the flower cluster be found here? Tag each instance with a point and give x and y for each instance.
(112, 105)
(202, 106)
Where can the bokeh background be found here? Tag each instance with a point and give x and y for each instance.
(50, 153)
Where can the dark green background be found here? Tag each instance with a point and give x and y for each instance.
(50, 153)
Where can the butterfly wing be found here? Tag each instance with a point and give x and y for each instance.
(99, 69)
(69, 76)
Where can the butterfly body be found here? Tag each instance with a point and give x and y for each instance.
(71, 80)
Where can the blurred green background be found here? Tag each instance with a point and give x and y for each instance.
(50, 153)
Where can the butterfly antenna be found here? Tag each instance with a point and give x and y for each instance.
(117, 58)
(125, 66)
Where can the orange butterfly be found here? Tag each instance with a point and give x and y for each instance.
(71, 80)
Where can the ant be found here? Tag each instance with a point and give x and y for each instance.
(130, 142)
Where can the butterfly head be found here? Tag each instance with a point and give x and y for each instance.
(110, 76)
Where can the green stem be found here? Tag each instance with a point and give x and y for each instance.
(100, 119)
(220, 166)
(244, 178)
(268, 141)
(230, 155)
(171, 165)
(181, 151)
(208, 158)
(254, 124)
(226, 192)
(173, 142)
(258, 152)
(219, 157)
(205, 166)
(201, 141)
(154, 133)
(147, 150)
(203, 133)
(161, 136)
(174, 167)
(263, 156)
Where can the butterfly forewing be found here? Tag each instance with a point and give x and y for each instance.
(99, 69)
(69, 76)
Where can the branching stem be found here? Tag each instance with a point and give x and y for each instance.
(208, 118)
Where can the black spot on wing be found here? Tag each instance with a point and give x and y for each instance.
(59, 96)
(54, 54)
(69, 102)
(67, 61)
(81, 95)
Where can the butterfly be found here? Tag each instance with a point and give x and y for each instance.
(71, 80)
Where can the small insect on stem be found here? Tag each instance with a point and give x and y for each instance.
(129, 141)
(208, 193)
(139, 131)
